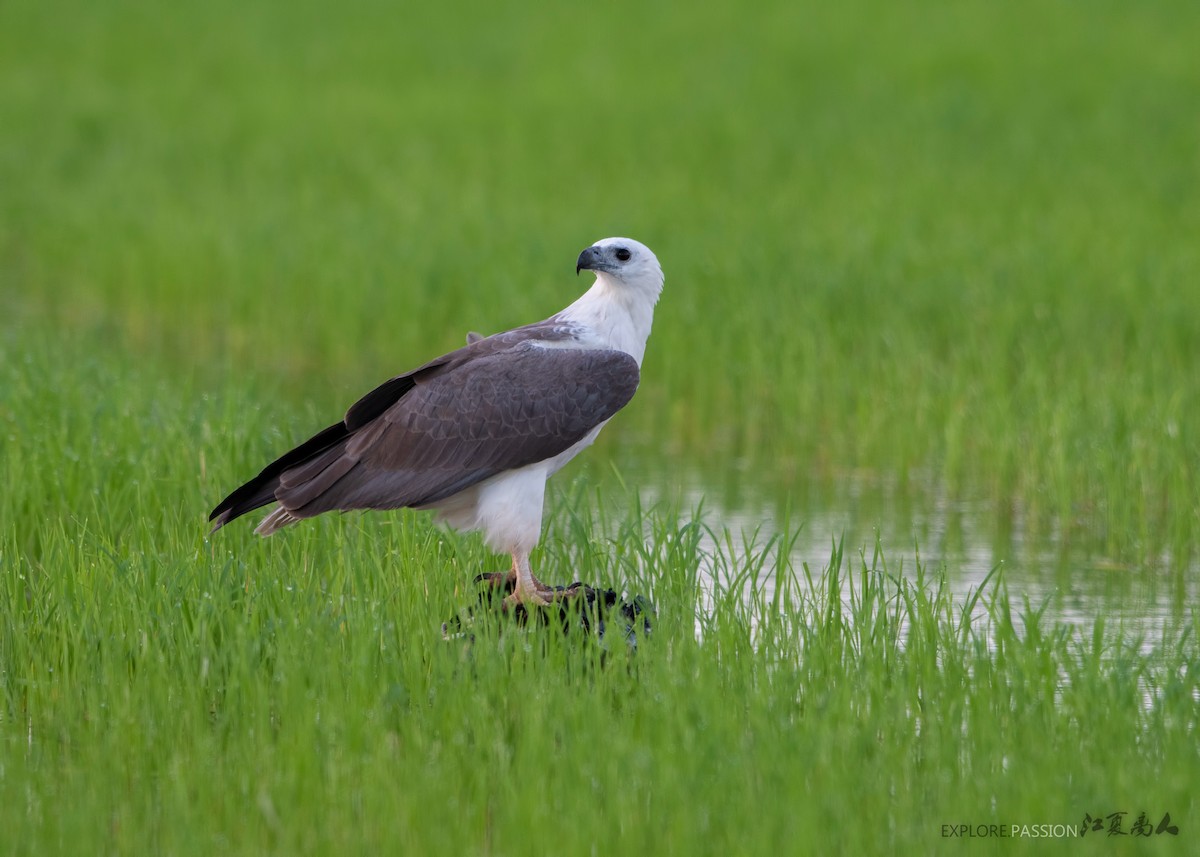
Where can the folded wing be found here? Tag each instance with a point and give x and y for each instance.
(422, 437)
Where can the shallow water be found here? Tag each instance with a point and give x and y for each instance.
(1075, 584)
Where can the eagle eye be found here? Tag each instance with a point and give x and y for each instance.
(623, 254)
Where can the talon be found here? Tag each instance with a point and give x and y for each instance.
(497, 579)
(541, 595)
(537, 595)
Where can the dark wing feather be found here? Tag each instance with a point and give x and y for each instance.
(462, 425)
(260, 490)
(377, 401)
(389, 392)
(499, 403)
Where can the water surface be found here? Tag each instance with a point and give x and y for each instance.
(1072, 580)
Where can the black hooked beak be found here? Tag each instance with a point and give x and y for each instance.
(590, 259)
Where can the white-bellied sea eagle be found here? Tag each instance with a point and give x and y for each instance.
(474, 434)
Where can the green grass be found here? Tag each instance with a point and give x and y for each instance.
(911, 241)
(918, 256)
(164, 693)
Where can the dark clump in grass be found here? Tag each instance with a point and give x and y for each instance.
(599, 613)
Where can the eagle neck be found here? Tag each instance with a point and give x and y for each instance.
(614, 315)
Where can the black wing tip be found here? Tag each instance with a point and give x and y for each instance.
(220, 512)
(260, 490)
(225, 512)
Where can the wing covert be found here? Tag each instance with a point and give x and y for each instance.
(467, 422)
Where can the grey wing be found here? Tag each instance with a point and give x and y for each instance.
(463, 425)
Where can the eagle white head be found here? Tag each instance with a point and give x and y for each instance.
(617, 311)
(626, 262)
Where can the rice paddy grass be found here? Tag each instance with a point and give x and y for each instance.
(167, 693)
(927, 254)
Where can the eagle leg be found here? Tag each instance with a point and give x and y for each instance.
(528, 590)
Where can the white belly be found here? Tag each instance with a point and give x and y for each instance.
(507, 508)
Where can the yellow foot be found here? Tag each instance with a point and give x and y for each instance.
(540, 595)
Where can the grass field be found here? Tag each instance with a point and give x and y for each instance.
(916, 255)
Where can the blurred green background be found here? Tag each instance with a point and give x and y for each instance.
(952, 242)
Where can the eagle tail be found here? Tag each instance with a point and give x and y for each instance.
(262, 489)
